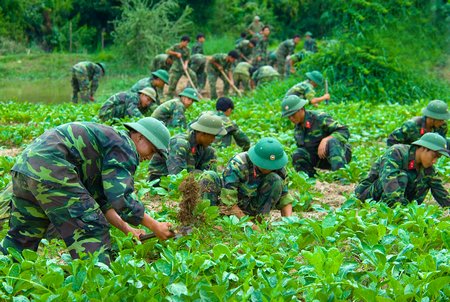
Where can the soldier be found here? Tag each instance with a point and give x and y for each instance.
(286, 48)
(242, 37)
(129, 104)
(84, 73)
(257, 177)
(405, 173)
(246, 49)
(296, 58)
(162, 61)
(76, 175)
(180, 55)
(171, 112)
(310, 43)
(219, 63)
(265, 74)
(305, 89)
(261, 54)
(198, 46)
(255, 27)
(321, 141)
(157, 81)
(434, 119)
(198, 65)
(190, 151)
(224, 108)
(241, 75)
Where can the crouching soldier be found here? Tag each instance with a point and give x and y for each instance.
(79, 176)
(306, 89)
(405, 173)
(190, 151)
(157, 81)
(85, 78)
(321, 141)
(129, 104)
(257, 178)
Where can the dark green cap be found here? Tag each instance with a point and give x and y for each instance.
(268, 154)
(315, 76)
(291, 104)
(162, 74)
(433, 141)
(190, 93)
(437, 109)
(308, 33)
(153, 130)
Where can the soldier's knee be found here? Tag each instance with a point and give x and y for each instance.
(300, 153)
(210, 181)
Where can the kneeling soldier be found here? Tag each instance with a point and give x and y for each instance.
(157, 81)
(405, 173)
(77, 176)
(190, 151)
(321, 141)
(258, 177)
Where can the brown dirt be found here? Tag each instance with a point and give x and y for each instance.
(183, 82)
(10, 152)
(190, 190)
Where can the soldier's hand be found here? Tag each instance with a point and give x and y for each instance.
(326, 96)
(91, 98)
(136, 232)
(179, 55)
(162, 230)
(322, 150)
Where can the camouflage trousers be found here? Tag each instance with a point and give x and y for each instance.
(200, 74)
(74, 213)
(257, 201)
(281, 66)
(337, 155)
(80, 84)
(267, 79)
(212, 79)
(174, 77)
(239, 78)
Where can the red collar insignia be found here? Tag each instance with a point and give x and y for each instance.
(422, 131)
(193, 150)
(308, 125)
(411, 165)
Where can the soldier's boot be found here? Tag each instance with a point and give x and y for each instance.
(337, 154)
(301, 160)
(211, 185)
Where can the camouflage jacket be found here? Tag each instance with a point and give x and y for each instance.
(221, 59)
(316, 126)
(412, 130)
(93, 72)
(144, 83)
(171, 113)
(160, 62)
(303, 90)
(310, 45)
(233, 131)
(243, 68)
(197, 62)
(255, 27)
(124, 104)
(185, 56)
(261, 47)
(265, 72)
(286, 48)
(244, 49)
(184, 153)
(299, 56)
(395, 178)
(241, 174)
(197, 48)
(99, 157)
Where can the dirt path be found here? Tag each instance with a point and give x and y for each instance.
(10, 152)
(205, 92)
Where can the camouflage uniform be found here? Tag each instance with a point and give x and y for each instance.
(160, 62)
(144, 83)
(412, 130)
(198, 48)
(184, 153)
(198, 65)
(255, 27)
(261, 51)
(310, 45)
(256, 193)
(214, 73)
(69, 176)
(124, 104)
(285, 49)
(171, 113)
(233, 132)
(244, 49)
(241, 74)
(394, 178)
(82, 74)
(317, 126)
(265, 74)
(176, 71)
(303, 90)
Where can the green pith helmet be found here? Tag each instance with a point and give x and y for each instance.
(162, 74)
(315, 76)
(433, 141)
(308, 33)
(190, 93)
(102, 66)
(291, 104)
(437, 109)
(150, 92)
(268, 154)
(153, 130)
(210, 124)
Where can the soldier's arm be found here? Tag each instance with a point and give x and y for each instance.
(133, 110)
(209, 161)
(335, 129)
(241, 138)
(438, 191)
(172, 52)
(401, 135)
(105, 112)
(178, 117)
(393, 179)
(115, 220)
(178, 154)
(94, 83)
